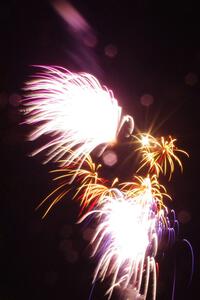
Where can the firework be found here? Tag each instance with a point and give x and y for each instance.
(131, 218)
(140, 186)
(75, 110)
(86, 177)
(125, 240)
(94, 193)
(159, 154)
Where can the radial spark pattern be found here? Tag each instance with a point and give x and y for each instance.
(75, 110)
(126, 240)
(159, 154)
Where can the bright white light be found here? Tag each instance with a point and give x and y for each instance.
(125, 229)
(129, 225)
(75, 109)
(145, 140)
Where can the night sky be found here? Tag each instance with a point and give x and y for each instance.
(148, 53)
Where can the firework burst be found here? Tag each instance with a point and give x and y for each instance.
(75, 110)
(159, 154)
(148, 185)
(126, 240)
(86, 177)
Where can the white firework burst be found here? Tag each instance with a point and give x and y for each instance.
(75, 110)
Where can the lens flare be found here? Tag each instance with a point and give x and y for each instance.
(75, 110)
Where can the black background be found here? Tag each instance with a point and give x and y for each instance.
(158, 53)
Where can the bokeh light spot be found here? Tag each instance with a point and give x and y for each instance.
(191, 79)
(184, 216)
(110, 158)
(111, 50)
(147, 100)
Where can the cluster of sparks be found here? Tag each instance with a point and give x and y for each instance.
(130, 217)
(71, 107)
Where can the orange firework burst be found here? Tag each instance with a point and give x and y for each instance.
(86, 176)
(159, 154)
(148, 185)
(96, 193)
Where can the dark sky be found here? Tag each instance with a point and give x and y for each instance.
(145, 50)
